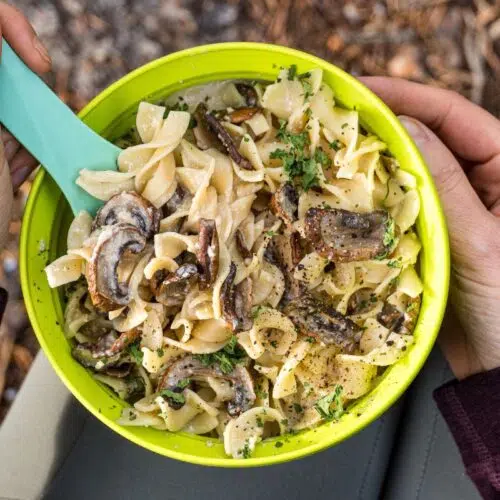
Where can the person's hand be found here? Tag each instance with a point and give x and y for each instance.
(461, 145)
(16, 29)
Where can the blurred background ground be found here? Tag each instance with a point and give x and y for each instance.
(453, 44)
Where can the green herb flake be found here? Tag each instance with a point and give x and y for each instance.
(176, 397)
(259, 422)
(335, 145)
(344, 125)
(245, 451)
(270, 233)
(229, 356)
(136, 353)
(256, 310)
(390, 233)
(311, 340)
(394, 263)
(298, 408)
(160, 352)
(278, 444)
(324, 405)
(292, 72)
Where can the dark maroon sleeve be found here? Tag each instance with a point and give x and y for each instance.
(471, 408)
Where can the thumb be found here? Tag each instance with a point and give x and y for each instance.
(464, 211)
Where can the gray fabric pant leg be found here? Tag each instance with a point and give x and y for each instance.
(103, 465)
(425, 463)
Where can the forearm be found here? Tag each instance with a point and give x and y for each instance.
(471, 409)
(6, 196)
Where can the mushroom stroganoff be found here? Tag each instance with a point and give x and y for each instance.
(252, 269)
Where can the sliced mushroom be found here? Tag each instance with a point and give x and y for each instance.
(96, 328)
(191, 367)
(237, 302)
(248, 92)
(318, 319)
(400, 321)
(170, 289)
(230, 147)
(208, 137)
(208, 253)
(106, 291)
(344, 236)
(283, 252)
(241, 115)
(391, 317)
(241, 245)
(285, 203)
(129, 207)
(96, 355)
(176, 201)
(124, 340)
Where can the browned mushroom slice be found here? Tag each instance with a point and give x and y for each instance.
(124, 340)
(96, 355)
(106, 291)
(317, 319)
(129, 207)
(241, 115)
(217, 128)
(191, 367)
(236, 301)
(285, 203)
(248, 92)
(170, 289)
(284, 252)
(208, 137)
(344, 236)
(391, 317)
(208, 253)
(241, 245)
(400, 321)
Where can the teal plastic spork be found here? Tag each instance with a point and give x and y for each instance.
(50, 131)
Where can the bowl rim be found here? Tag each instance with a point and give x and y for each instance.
(440, 224)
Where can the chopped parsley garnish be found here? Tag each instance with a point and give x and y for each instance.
(259, 422)
(298, 408)
(136, 353)
(256, 310)
(336, 145)
(394, 263)
(175, 397)
(184, 383)
(306, 85)
(292, 71)
(390, 233)
(178, 106)
(270, 233)
(245, 451)
(311, 340)
(132, 416)
(160, 352)
(274, 343)
(229, 356)
(324, 405)
(294, 160)
(344, 125)
(278, 444)
(321, 157)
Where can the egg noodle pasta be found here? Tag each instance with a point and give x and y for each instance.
(252, 270)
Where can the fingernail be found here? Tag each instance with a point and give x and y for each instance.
(40, 48)
(20, 175)
(414, 128)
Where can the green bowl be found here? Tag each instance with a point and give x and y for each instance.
(48, 216)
